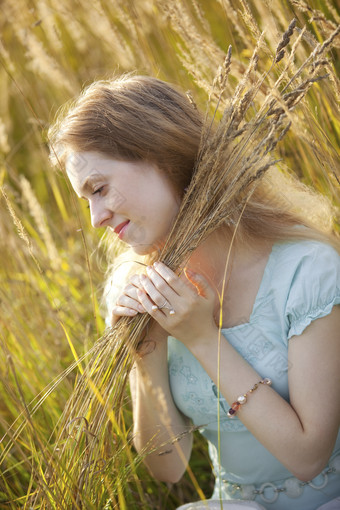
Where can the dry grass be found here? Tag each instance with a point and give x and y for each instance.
(50, 314)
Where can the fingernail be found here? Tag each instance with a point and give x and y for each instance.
(141, 308)
(149, 270)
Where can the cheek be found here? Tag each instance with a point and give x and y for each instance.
(173, 204)
(169, 211)
(152, 201)
(166, 207)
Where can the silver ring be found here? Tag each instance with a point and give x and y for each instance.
(163, 306)
(156, 307)
(171, 312)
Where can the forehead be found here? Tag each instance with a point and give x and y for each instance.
(80, 164)
(83, 169)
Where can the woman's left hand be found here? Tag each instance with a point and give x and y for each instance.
(183, 308)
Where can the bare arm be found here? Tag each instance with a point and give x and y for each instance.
(157, 421)
(156, 418)
(301, 435)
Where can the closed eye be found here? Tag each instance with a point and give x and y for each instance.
(99, 190)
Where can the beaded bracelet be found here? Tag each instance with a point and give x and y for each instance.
(242, 399)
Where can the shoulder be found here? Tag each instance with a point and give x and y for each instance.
(301, 283)
(309, 261)
(313, 282)
(304, 251)
(295, 264)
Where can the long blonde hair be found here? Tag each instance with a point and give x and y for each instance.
(131, 118)
(139, 118)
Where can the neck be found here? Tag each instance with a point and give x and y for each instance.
(221, 254)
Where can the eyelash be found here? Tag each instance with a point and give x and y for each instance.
(99, 190)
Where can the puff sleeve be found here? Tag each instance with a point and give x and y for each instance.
(315, 287)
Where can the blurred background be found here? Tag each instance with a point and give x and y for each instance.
(52, 263)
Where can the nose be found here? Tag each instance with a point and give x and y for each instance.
(99, 214)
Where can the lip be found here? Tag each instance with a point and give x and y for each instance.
(119, 229)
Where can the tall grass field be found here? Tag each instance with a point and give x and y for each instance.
(53, 262)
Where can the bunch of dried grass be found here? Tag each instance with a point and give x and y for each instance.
(232, 159)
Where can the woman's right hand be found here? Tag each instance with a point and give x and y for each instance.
(127, 303)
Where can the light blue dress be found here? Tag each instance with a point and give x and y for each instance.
(301, 283)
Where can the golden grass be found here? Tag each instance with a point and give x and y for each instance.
(50, 261)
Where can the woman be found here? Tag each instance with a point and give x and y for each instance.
(266, 393)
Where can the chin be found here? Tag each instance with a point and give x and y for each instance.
(148, 249)
(140, 248)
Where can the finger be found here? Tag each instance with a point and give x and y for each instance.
(135, 281)
(172, 279)
(124, 311)
(155, 296)
(148, 304)
(202, 285)
(161, 285)
(131, 291)
(124, 301)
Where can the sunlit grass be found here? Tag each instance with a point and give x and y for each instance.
(51, 266)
